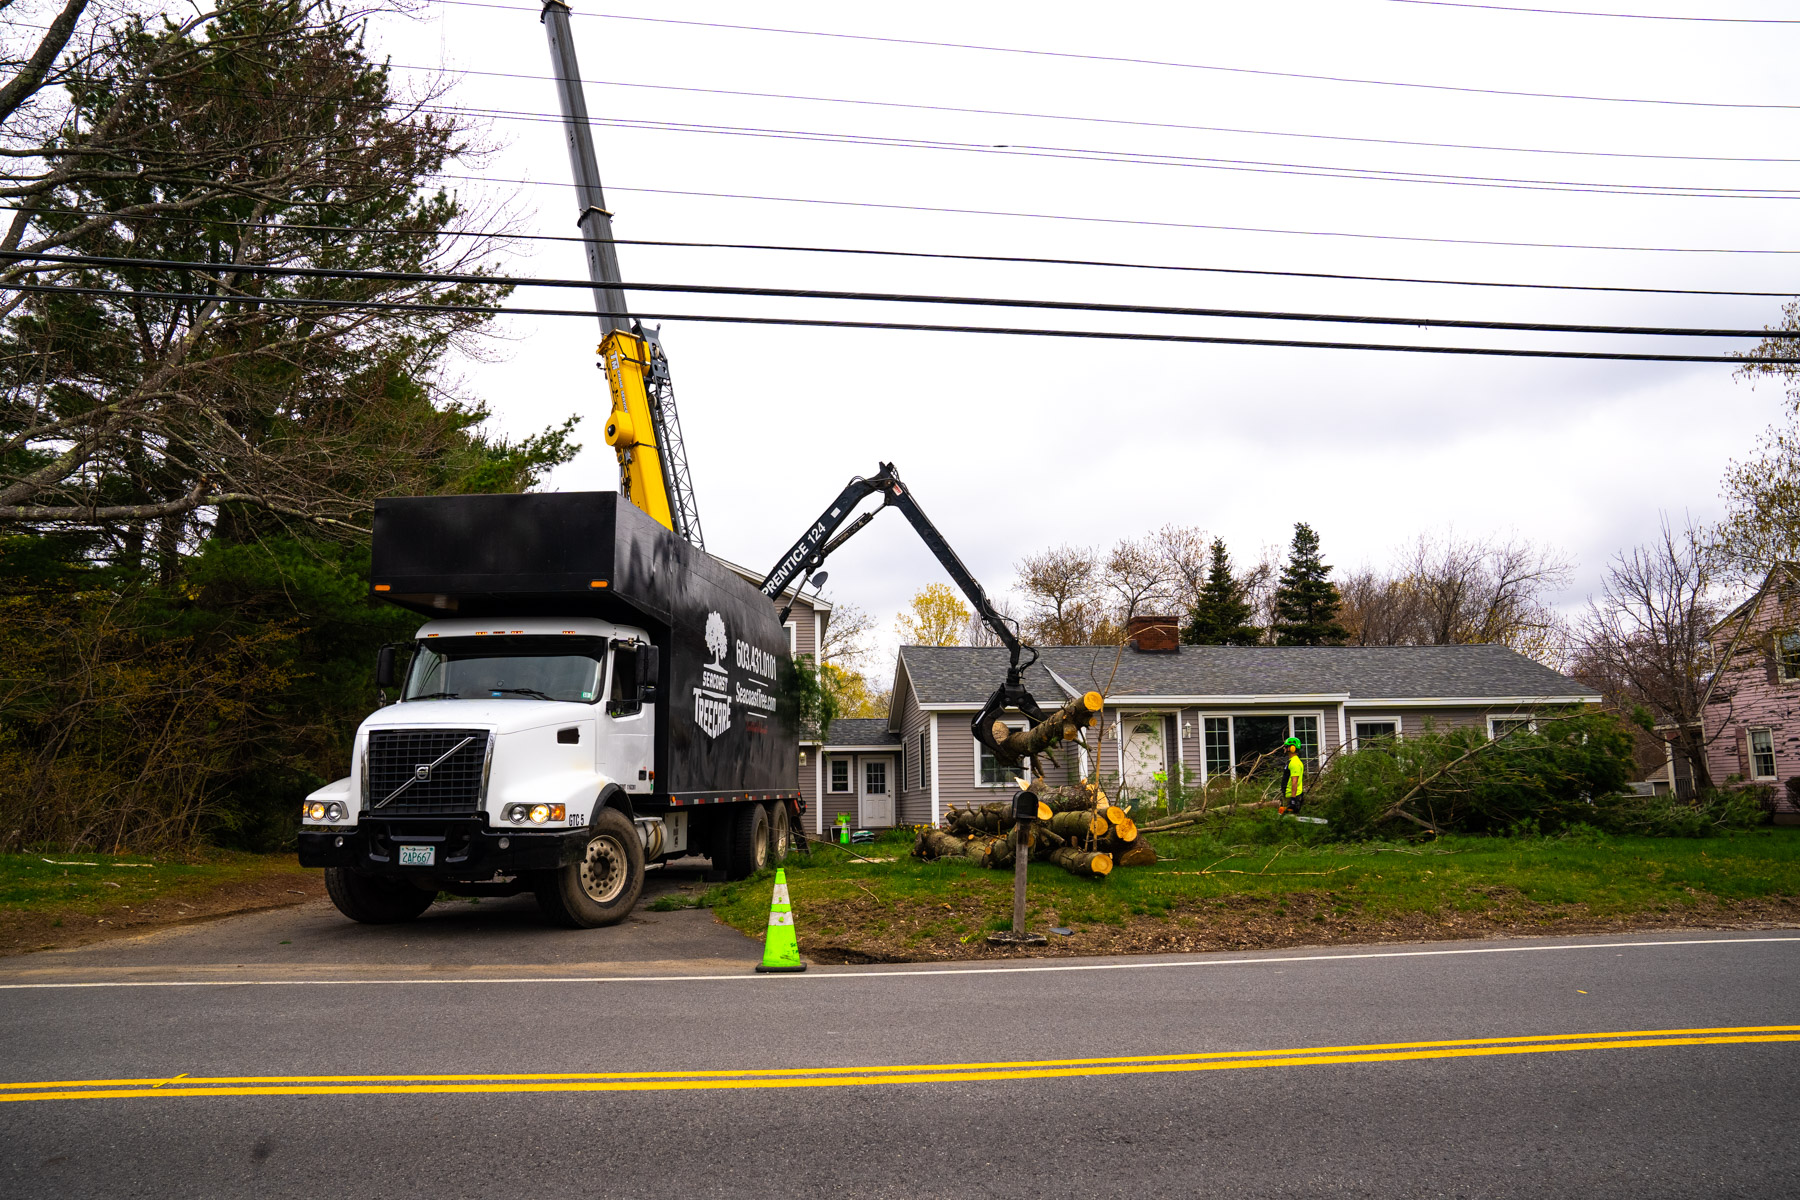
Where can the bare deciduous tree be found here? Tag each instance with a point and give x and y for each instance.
(1062, 595)
(1643, 642)
(846, 637)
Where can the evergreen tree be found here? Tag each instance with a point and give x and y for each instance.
(1307, 602)
(1221, 614)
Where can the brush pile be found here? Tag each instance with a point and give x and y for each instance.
(1077, 829)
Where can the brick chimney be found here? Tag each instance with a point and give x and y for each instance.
(1154, 635)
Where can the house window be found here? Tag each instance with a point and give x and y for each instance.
(1499, 727)
(1762, 754)
(924, 757)
(1373, 731)
(793, 636)
(1218, 746)
(875, 777)
(1306, 732)
(988, 770)
(840, 774)
(1787, 656)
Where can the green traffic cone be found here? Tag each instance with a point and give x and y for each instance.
(781, 949)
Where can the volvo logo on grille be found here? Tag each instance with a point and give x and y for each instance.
(421, 773)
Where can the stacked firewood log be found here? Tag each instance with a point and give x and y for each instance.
(1077, 829)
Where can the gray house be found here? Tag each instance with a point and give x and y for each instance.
(1197, 711)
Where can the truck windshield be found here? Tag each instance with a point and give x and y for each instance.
(530, 668)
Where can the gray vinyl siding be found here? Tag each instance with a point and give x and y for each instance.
(806, 631)
(915, 800)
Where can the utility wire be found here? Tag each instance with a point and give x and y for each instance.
(1619, 16)
(1151, 159)
(1028, 260)
(813, 323)
(1134, 62)
(704, 289)
(1073, 153)
(1126, 221)
(1090, 120)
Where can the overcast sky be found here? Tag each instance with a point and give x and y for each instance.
(1013, 444)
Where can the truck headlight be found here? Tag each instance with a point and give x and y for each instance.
(321, 811)
(315, 810)
(535, 814)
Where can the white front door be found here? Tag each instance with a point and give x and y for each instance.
(877, 794)
(1143, 754)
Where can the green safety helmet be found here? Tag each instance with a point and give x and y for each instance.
(1294, 742)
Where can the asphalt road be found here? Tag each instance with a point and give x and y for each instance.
(193, 1063)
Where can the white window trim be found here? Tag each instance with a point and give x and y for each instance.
(936, 811)
(1750, 733)
(1399, 726)
(1782, 675)
(1529, 719)
(1024, 771)
(793, 636)
(850, 775)
(1201, 716)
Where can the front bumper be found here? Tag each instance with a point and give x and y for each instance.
(466, 848)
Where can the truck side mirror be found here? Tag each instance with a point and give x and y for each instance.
(649, 664)
(384, 667)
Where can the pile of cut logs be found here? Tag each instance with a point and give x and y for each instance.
(1077, 828)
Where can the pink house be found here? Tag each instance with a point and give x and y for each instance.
(1752, 715)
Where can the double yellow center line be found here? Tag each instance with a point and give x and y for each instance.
(182, 1086)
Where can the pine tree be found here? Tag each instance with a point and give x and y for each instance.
(1307, 602)
(1221, 615)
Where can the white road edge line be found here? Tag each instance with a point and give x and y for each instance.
(840, 975)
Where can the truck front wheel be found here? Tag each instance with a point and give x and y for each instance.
(601, 888)
(375, 901)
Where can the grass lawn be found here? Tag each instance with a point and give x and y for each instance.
(52, 898)
(1209, 893)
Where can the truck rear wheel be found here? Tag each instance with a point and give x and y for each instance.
(602, 888)
(749, 845)
(781, 833)
(375, 901)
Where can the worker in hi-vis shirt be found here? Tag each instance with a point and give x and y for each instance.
(1296, 777)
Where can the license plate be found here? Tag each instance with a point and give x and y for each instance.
(418, 856)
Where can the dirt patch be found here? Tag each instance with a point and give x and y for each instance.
(887, 933)
(23, 931)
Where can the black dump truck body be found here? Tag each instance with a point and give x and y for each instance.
(722, 734)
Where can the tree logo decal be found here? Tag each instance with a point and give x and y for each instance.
(715, 639)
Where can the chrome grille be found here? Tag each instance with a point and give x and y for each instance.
(455, 759)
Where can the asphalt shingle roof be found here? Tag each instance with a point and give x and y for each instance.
(863, 731)
(968, 674)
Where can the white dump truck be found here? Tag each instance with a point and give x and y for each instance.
(590, 693)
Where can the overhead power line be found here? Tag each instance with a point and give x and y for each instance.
(911, 106)
(1125, 60)
(1152, 224)
(938, 255)
(1617, 16)
(815, 323)
(773, 293)
(1382, 237)
(1149, 159)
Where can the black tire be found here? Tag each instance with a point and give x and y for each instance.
(375, 901)
(781, 833)
(749, 849)
(604, 886)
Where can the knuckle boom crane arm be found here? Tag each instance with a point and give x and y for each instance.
(823, 536)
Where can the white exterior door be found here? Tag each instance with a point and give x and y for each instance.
(1142, 754)
(876, 807)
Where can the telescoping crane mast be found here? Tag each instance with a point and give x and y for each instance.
(643, 428)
